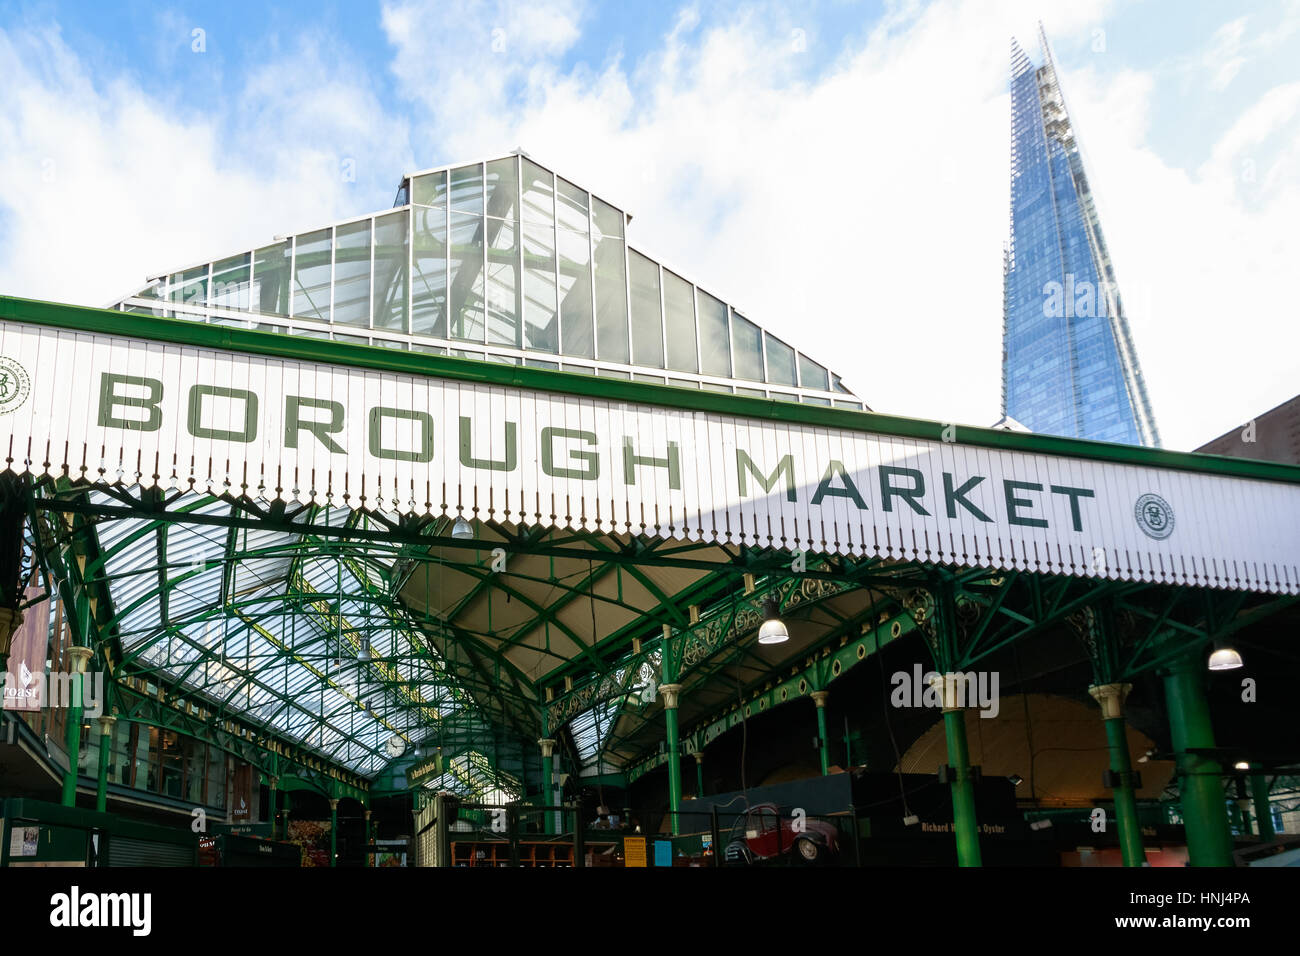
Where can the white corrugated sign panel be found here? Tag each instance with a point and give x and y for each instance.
(134, 411)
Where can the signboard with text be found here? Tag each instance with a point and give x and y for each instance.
(139, 412)
(634, 851)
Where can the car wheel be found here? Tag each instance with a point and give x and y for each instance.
(810, 851)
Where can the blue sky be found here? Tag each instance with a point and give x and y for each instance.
(837, 169)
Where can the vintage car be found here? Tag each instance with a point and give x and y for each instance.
(763, 833)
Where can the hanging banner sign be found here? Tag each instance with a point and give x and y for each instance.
(24, 680)
(116, 409)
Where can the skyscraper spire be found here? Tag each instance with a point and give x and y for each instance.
(1068, 362)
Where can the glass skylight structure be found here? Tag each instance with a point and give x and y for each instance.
(1068, 362)
(268, 625)
(502, 261)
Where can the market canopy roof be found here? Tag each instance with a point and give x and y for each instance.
(274, 526)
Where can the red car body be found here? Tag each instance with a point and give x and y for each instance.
(764, 833)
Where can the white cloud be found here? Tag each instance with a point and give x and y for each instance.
(1204, 259)
(102, 184)
(853, 199)
(1224, 60)
(861, 214)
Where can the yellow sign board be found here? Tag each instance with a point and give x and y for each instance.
(634, 851)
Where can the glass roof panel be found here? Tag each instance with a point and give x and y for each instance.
(501, 252)
(251, 619)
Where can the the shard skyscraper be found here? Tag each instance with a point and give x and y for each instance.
(1068, 362)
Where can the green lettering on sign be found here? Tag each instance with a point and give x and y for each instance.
(1014, 504)
(826, 489)
(889, 491)
(592, 469)
(109, 399)
(423, 450)
(246, 433)
(745, 467)
(953, 497)
(631, 459)
(1075, 494)
(467, 452)
(294, 422)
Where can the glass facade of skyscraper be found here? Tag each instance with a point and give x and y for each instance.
(1068, 364)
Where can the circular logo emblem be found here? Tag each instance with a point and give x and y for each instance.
(1154, 516)
(15, 385)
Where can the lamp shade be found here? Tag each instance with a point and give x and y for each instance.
(773, 630)
(1224, 659)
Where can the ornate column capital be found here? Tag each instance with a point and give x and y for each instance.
(951, 690)
(1111, 698)
(334, 804)
(820, 697)
(547, 744)
(671, 693)
(81, 657)
(699, 756)
(106, 722)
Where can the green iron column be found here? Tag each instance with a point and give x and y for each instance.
(699, 774)
(80, 658)
(274, 782)
(670, 692)
(365, 861)
(964, 823)
(1111, 698)
(106, 724)
(1205, 816)
(1263, 811)
(334, 832)
(820, 697)
(548, 781)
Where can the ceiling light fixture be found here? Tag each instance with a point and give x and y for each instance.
(462, 529)
(1224, 658)
(773, 630)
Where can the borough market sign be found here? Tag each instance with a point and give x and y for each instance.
(117, 408)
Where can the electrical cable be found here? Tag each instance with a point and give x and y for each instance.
(1029, 731)
(884, 703)
(740, 699)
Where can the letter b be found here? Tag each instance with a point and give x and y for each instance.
(110, 398)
